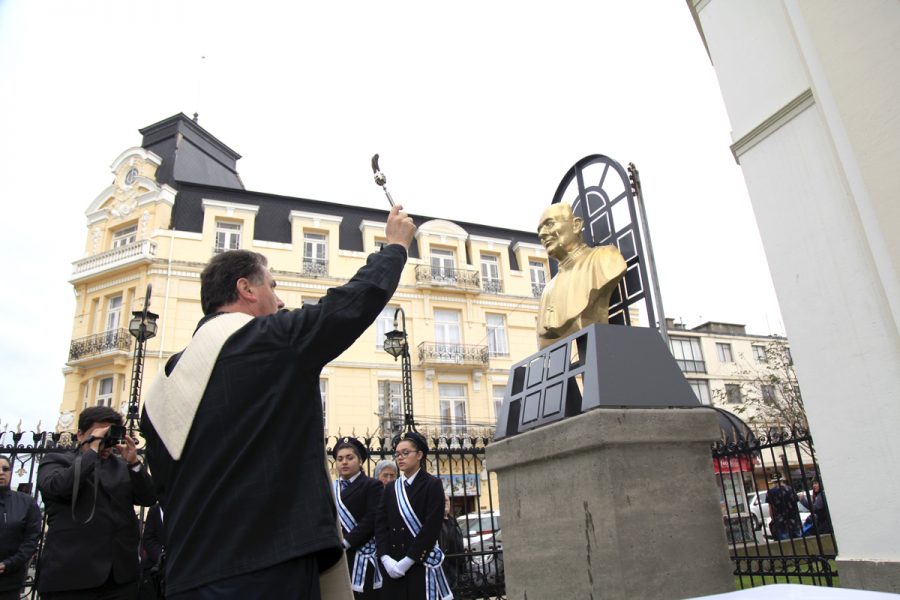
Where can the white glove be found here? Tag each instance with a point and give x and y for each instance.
(390, 565)
(404, 564)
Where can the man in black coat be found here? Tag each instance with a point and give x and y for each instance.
(91, 549)
(249, 510)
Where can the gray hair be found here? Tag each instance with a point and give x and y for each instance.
(382, 464)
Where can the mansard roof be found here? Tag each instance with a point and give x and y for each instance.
(273, 224)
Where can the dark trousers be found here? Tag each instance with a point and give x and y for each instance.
(296, 579)
(108, 591)
(10, 594)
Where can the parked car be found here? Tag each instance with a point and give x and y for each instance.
(484, 576)
(479, 527)
(759, 510)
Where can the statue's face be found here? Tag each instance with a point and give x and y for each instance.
(559, 230)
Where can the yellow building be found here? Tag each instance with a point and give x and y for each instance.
(469, 291)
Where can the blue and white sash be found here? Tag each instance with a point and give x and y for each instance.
(365, 555)
(436, 586)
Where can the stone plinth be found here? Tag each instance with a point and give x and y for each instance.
(613, 503)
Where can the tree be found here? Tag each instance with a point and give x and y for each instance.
(770, 393)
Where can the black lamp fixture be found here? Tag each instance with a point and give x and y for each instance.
(397, 345)
(143, 327)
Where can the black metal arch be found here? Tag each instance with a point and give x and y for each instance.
(602, 193)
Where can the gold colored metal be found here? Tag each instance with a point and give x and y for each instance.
(579, 294)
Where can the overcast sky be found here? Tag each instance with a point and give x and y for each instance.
(477, 109)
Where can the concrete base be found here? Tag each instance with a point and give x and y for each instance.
(868, 575)
(613, 503)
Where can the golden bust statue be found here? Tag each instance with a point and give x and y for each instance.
(579, 294)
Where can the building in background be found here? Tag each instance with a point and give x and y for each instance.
(749, 375)
(470, 291)
(811, 91)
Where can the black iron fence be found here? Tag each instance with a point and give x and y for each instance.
(775, 511)
(457, 461)
(772, 540)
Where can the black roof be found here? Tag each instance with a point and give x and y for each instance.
(199, 167)
(273, 217)
(190, 154)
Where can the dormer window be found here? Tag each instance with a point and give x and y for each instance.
(228, 236)
(130, 176)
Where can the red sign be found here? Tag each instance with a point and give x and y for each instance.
(732, 464)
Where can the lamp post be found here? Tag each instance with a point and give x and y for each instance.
(397, 345)
(142, 327)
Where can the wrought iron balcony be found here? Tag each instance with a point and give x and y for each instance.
(537, 289)
(691, 366)
(445, 277)
(492, 286)
(144, 250)
(438, 353)
(99, 343)
(315, 267)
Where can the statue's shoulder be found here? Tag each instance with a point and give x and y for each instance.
(605, 252)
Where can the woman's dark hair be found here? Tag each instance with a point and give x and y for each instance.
(343, 445)
(218, 279)
(97, 414)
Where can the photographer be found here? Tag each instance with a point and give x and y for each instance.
(91, 549)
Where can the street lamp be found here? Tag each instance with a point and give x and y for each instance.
(142, 327)
(397, 345)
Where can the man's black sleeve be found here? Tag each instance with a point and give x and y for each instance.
(321, 332)
(56, 476)
(142, 491)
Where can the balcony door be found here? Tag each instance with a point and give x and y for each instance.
(228, 236)
(447, 334)
(315, 255)
(538, 277)
(113, 321)
(443, 265)
(490, 274)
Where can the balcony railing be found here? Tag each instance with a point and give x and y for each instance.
(117, 257)
(537, 289)
(314, 267)
(92, 345)
(446, 277)
(492, 286)
(691, 366)
(453, 354)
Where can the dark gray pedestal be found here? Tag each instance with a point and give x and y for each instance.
(613, 503)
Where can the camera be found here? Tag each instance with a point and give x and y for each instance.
(114, 435)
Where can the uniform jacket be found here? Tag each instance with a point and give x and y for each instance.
(80, 555)
(393, 538)
(361, 498)
(251, 490)
(20, 532)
